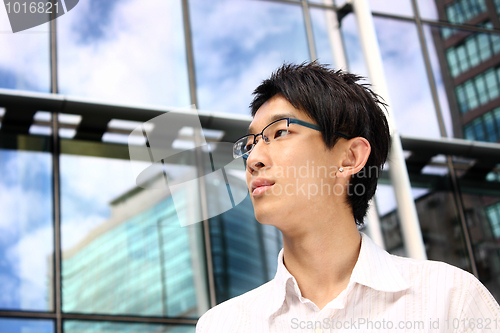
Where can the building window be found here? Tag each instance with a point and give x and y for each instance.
(472, 51)
(484, 128)
(497, 5)
(462, 11)
(479, 90)
(493, 213)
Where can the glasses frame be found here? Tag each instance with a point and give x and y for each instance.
(289, 121)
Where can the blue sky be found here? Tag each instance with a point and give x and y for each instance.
(25, 229)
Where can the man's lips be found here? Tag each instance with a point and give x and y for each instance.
(260, 185)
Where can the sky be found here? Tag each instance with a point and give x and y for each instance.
(132, 52)
(26, 235)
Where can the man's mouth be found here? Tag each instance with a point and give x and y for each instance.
(260, 185)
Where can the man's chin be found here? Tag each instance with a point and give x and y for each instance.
(266, 212)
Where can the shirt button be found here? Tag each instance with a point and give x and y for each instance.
(318, 330)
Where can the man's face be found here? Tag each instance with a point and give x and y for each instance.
(293, 175)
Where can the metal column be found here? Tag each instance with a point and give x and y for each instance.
(407, 211)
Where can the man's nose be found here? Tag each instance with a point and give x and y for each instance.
(258, 157)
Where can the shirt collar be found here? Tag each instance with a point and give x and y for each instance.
(374, 269)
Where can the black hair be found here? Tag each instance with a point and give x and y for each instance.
(336, 102)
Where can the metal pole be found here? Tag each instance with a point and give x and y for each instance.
(442, 129)
(56, 178)
(335, 37)
(373, 226)
(309, 31)
(203, 198)
(163, 264)
(339, 56)
(407, 211)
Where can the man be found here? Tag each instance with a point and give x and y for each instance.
(317, 143)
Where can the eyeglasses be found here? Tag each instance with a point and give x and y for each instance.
(274, 131)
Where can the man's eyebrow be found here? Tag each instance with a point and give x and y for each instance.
(274, 118)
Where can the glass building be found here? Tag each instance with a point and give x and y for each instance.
(84, 249)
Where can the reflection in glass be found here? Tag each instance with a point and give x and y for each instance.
(461, 11)
(352, 46)
(409, 90)
(73, 326)
(484, 128)
(237, 44)
(244, 252)
(400, 7)
(125, 52)
(124, 251)
(427, 9)
(481, 212)
(322, 30)
(24, 57)
(467, 75)
(475, 49)
(477, 91)
(438, 217)
(26, 232)
(26, 325)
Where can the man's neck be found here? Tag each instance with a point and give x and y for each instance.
(322, 260)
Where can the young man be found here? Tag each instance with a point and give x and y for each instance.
(317, 143)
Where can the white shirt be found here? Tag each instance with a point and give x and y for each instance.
(386, 293)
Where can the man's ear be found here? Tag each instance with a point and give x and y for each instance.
(357, 150)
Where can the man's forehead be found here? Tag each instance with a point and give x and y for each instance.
(269, 119)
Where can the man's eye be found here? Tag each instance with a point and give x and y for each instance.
(280, 133)
(248, 147)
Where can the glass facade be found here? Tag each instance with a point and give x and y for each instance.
(12, 325)
(124, 52)
(26, 227)
(484, 128)
(493, 213)
(85, 249)
(19, 69)
(74, 326)
(462, 11)
(478, 90)
(474, 50)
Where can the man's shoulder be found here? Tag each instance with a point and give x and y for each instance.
(439, 278)
(235, 309)
(429, 270)
(246, 299)
(461, 290)
(420, 265)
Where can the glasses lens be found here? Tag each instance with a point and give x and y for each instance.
(243, 146)
(275, 130)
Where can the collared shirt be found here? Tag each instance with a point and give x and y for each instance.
(386, 293)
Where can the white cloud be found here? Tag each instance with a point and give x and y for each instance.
(25, 201)
(10, 292)
(233, 93)
(75, 229)
(29, 258)
(139, 59)
(238, 44)
(93, 178)
(409, 93)
(25, 55)
(88, 185)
